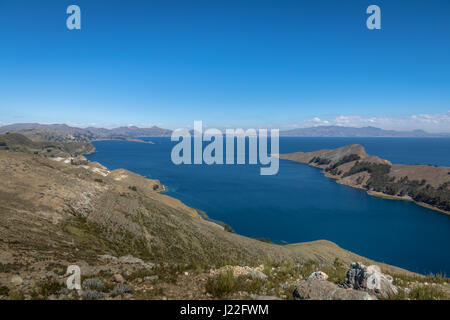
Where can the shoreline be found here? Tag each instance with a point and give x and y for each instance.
(391, 197)
(124, 139)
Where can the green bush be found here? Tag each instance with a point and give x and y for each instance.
(221, 285)
(349, 158)
(319, 161)
(49, 287)
(120, 289)
(4, 291)
(427, 293)
(92, 284)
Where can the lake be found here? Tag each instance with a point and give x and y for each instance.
(300, 203)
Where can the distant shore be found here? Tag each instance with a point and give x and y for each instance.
(124, 139)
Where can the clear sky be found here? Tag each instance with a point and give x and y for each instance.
(229, 63)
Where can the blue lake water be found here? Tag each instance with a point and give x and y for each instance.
(299, 203)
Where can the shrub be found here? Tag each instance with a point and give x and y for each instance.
(50, 287)
(155, 187)
(120, 289)
(225, 284)
(427, 293)
(349, 158)
(319, 161)
(92, 284)
(15, 295)
(98, 180)
(92, 295)
(4, 291)
(376, 169)
(134, 188)
(221, 285)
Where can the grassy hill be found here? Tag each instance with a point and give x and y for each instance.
(118, 227)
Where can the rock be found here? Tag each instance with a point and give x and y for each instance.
(118, 278)
(314, 289)
(360, 277)
(108, 258)
(16, 280)
(151, 278)
(129, 259)
(256, 274)
(79, 160)
(318, 275)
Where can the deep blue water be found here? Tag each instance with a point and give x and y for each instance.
(299, 203)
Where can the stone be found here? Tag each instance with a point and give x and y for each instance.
(79, 160)
(129, 259)
(314, 289)
(16, 280)
(151, 278)
(256, 274)
(118, 278)
(369, 278)
(318, 275)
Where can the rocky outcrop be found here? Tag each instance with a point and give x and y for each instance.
(315, 289)
(369, 278)
(79, 160)
(361, 283)
(318, 275)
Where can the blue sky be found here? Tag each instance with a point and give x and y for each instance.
(229, 63)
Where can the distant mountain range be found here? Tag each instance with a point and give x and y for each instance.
(338, 131)
(63, 132)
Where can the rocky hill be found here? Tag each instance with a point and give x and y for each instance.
(65, 133)
(133, 242)
(19, 142)
(350, 165)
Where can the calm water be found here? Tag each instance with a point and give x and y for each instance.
(300, 204)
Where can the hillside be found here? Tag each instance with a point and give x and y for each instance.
(132, 241)
(65, 133)
(351, 165)
(49, 149)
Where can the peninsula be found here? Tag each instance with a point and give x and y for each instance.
(350, 165)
